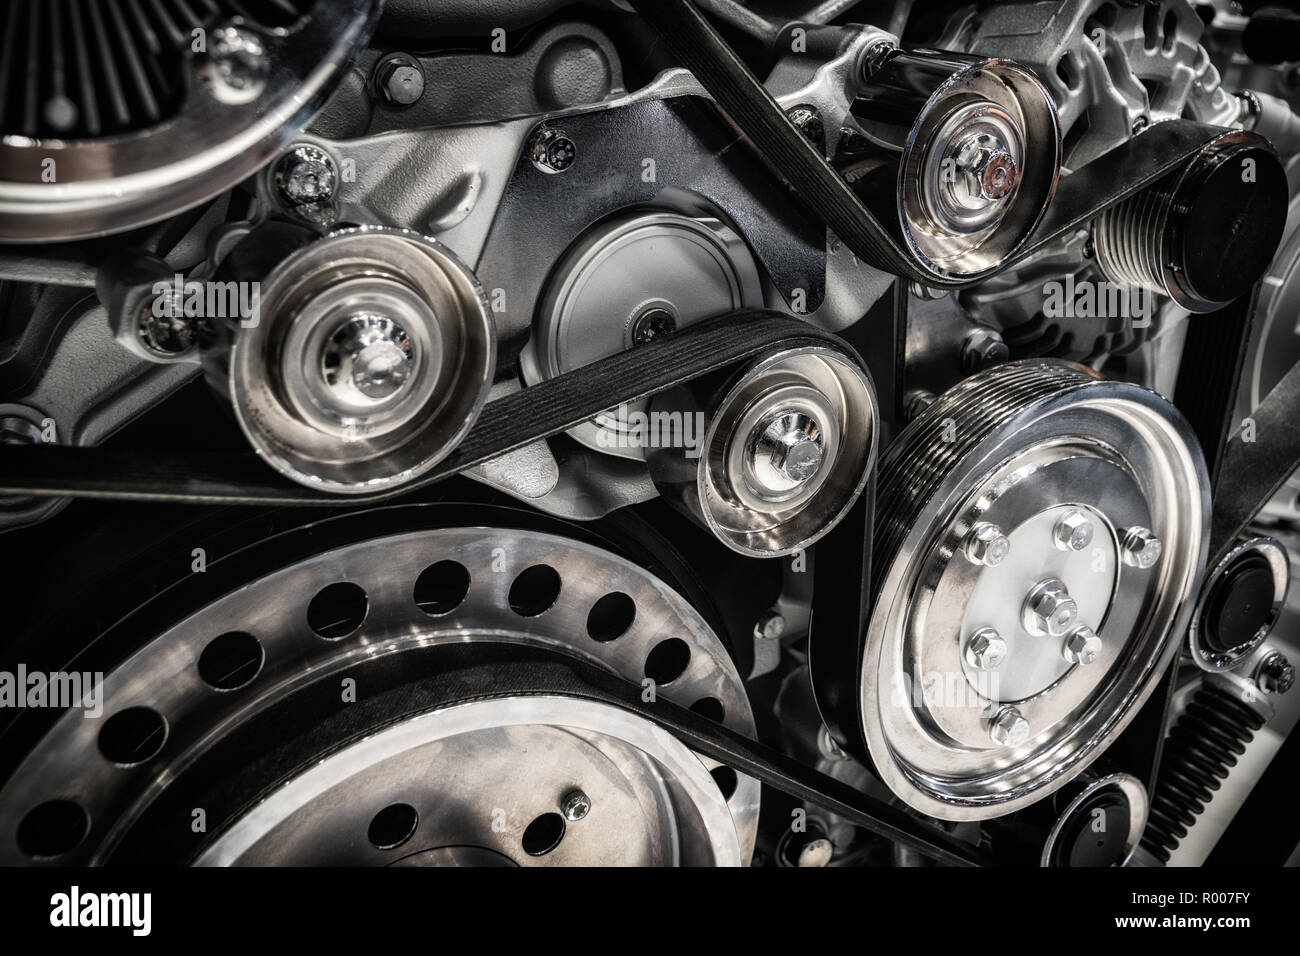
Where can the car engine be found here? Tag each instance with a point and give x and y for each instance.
(649, 433)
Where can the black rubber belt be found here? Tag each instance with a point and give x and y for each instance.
(508, 423)
(230, 777)
(750, 757)
(1252, 472)
(699, 48)
(1138, 162)
(443, 675)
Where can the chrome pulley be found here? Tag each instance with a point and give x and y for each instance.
(370, 358)
(964, 152)
(786, 447)
(292, 712)
(1039, 533)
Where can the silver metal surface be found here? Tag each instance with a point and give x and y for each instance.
(477, 764)
(1139, 548)
(367, 360)
(372, 356)
(973, 167)
(1082, 646)
(986, 650)
(993, 109)
(575, 805)
(306, 174)
(787, 452)
(399, 79)
(1009, 728)
(248, 95)
(551, 149)
(163, 676)
(1073, 531)
(723, 489)
(1034, 441)
(643, 269)
(1049, 609)
(986, 544)
(1276, 674)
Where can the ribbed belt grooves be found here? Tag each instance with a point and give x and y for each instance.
(918, 461)
(1128, 238)
(544, 409)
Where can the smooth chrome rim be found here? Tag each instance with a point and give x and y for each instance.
(1012, 446)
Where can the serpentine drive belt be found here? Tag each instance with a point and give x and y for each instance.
(510, 422)
(558, 404)
(1140, 161)
(463, 672)
(49, 470)
(507, 423)
(425, 679)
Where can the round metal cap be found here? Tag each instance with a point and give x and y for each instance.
(626, 281)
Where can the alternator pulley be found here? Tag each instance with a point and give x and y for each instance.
(964, 153)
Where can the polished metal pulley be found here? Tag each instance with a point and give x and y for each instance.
(1038, 535)
(963, 152)
(369, 359)
(785, 447)
(493, 778)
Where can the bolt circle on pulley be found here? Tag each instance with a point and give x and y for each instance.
(1100, 493)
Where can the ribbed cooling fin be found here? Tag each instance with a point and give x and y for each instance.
(1202, 748)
